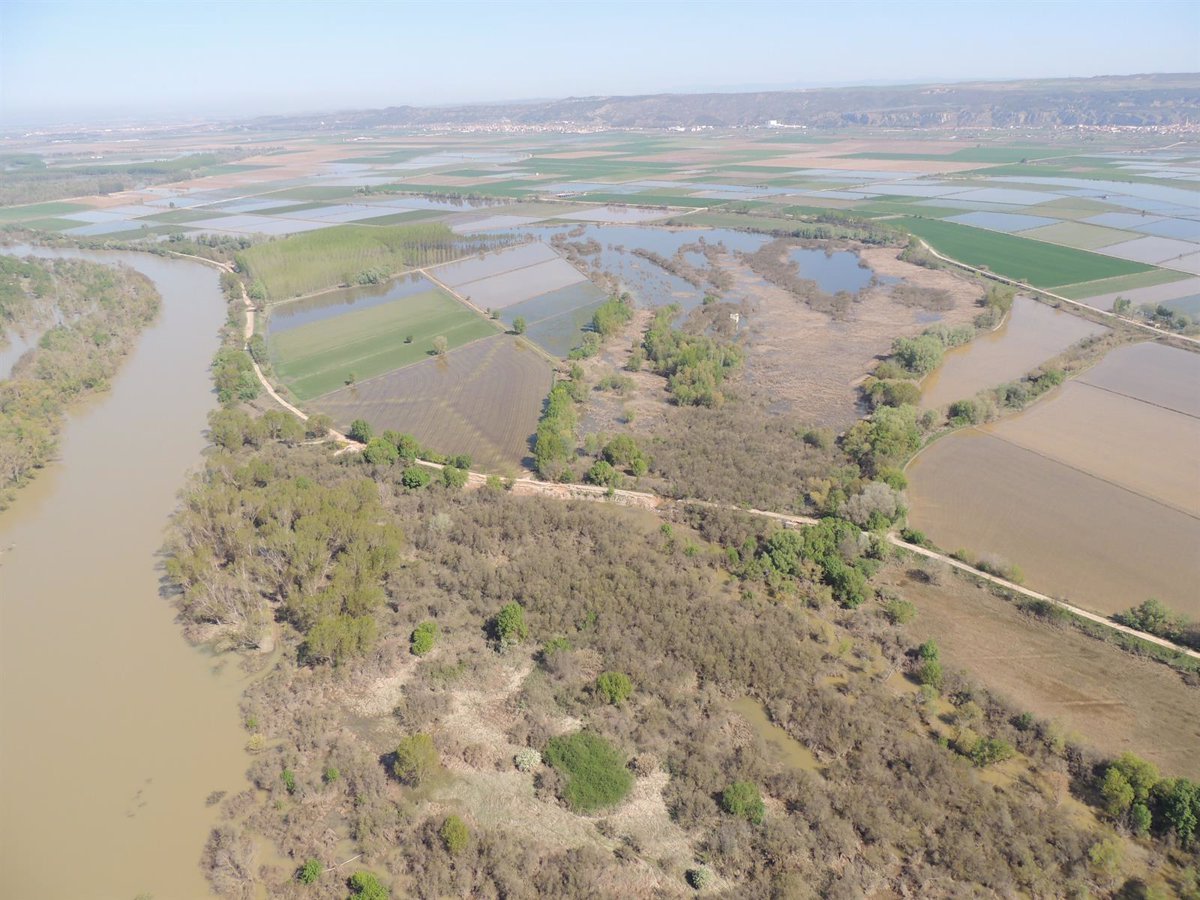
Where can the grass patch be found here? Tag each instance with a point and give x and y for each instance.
(311, 261)
(52, 224)
(1084, 289)
(318, 357)
(1079, 234)
(1034, 262)
(594, 769)
(181, 216)
(39, 211)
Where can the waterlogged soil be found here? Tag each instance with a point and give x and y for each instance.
(113, 730)
(1074, 535)
(1032, 334)
(779, 744)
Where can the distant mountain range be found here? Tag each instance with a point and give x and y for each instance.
(1125, 100)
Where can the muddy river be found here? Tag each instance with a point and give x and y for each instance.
(113, 730)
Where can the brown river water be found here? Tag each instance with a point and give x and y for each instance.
(113, 730)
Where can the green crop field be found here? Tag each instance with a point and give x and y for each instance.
(39, 211)
(1038, 264)
(1120, 283)
(318, 357)
(314, 260)
(1080, 234)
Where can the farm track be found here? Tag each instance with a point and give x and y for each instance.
(645, 500)
(1145, 326)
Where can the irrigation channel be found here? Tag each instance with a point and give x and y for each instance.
(113, 729)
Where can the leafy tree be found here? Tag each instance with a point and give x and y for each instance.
(1117, 792)
(360, 430)
(423, 638)
(1140, 819)
(508, 626)
(519, 325)
(380, 452)
(310, 871)
(602, 473)
(415, 477)
(991, 750)
(614, 687)
(454, 478)
(900, 612)
(455, 835)
(416, 759)
(743, 799)
(440, 345)
(1181, 808)
(930, 673)
(461, 461)
(919, 355)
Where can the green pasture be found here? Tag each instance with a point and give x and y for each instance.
(1121, 283)
(39, 211)
(318, 357)
(1039, 264)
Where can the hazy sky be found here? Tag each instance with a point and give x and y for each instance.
(71, 59)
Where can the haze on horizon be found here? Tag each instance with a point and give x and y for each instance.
(67, 60)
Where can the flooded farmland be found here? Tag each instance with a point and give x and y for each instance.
(115, 730)
(293, 313)
(1094, 491)
(1032, 333)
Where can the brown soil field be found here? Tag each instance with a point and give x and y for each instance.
(1075, 536)
(1150, 450)
(1111, 700)
(483, 399)
(802, 361)
(1032, 334)
(1154, 373)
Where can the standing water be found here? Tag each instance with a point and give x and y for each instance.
(113, 730)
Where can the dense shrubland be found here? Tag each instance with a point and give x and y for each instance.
(99, 312)
(719, 605)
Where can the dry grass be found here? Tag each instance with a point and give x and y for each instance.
(1112, 701)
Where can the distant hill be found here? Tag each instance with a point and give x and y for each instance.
(1102, 101)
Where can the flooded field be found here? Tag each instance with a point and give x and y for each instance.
(483, 399)
(1033, 333)
(114, 730)
(1152, 373)
(293, 313)
(1075, 536)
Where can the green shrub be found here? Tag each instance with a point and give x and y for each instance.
(415, 477)
(614, 687)
(361, 431)
(416, 759)
(508, 627)
(743, 799)
(367, 887)
(455, 835)
(453, 478)
(699, 877)
(310, 871)
(991, 750)
(379, 452)
(289, 780)
(595, 771)
(331, 774)
(422, 639)
(899, 612)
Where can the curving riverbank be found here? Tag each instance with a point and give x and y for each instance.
(113, 730)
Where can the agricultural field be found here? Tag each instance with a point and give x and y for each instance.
(321, 356)
(483, 400)
(1070, 491)
(1094, 690)
(1039, 264)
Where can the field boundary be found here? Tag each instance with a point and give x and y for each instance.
(647, 500)
(1161, 332)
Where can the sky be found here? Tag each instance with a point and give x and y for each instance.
(66, 60)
